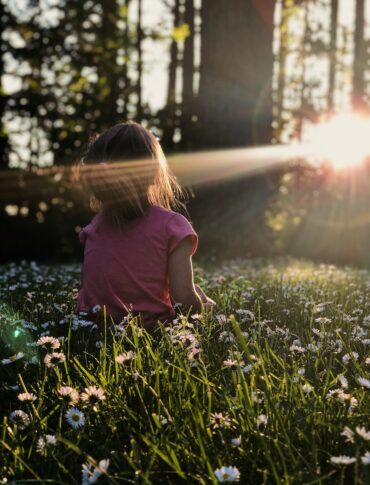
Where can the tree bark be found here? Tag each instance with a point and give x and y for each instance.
(333, 53)
(235, 95)
(360, 56)
(188, 79)
(169, 112)
(4, 141)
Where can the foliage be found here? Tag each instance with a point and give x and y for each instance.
(275, 383)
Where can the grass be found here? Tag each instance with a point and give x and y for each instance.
(274, 383)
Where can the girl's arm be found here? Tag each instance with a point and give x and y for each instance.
(181, 279)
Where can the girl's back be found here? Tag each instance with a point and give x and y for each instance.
(127, 270)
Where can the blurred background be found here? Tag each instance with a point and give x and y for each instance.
(261, 106)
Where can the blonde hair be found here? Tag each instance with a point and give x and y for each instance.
(125, 172)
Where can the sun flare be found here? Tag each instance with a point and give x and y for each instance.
(343, 141)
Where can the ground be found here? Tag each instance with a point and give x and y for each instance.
(274, 385)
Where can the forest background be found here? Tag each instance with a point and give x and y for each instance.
(226, 85)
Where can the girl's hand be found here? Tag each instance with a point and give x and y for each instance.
(209, 305)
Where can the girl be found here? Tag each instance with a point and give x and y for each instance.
(138, 251)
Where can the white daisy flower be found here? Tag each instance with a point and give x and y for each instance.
(361, 431)
(342, 460)
(47, 342)
(92, 395)
(307, 388)
(20, 418)
(348, 434)
(53, 359)
(91, 473)
(160, 418)
(27, 396)
(363, 382)
(233, 364)
(262, 420)
(44, 442)
(236, 441)
(75, 418)
(347, 357)
(221, 318)
(227, 474)
(193, 352)
(297, 348)
(247, 368)
(366, 458)
(70, 394)
(126, 357)
(343, 381)
(13, 358)
(219, 420)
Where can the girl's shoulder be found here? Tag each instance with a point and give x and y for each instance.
(166, 215)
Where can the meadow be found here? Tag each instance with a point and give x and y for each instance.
(272, 387)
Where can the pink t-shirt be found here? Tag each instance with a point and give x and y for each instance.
(128, 270)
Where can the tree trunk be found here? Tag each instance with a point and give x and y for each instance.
(235, 94)
(169, 112)
(333, 53)
(360, 56)
(140, 37)
(4, 142)
(188, 78)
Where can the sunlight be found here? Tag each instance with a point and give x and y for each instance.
(343, 141)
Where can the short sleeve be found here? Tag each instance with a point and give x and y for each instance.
(82, 236)
(178, 228)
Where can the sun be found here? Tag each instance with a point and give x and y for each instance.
(343, 141)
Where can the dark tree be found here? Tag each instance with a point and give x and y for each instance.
(235, 95)
(333, 52)
(5, 20)
(360, 58)
(188, 108)
(169, 113)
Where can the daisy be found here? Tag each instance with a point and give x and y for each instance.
(347, 357)
(236, 441)
(70, 394)
(27, 396)
(44, 442)
(366, 458)
(193, 352)
(13, 358)
(307, 388)
(75, 418)
(49, 343)
(227, 474)
(343, 382)
(53, 359)
(20, 418)
(363, 433)
(233, 364)
(219, 420)
(297, 348)
(126, 357)
(162, 420)
(262, 420)
(364, 382)
(90, 473)
(247, 368)
(342, 460)
(92, 395)
(348, 434)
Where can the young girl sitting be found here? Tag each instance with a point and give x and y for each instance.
(138, 252)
